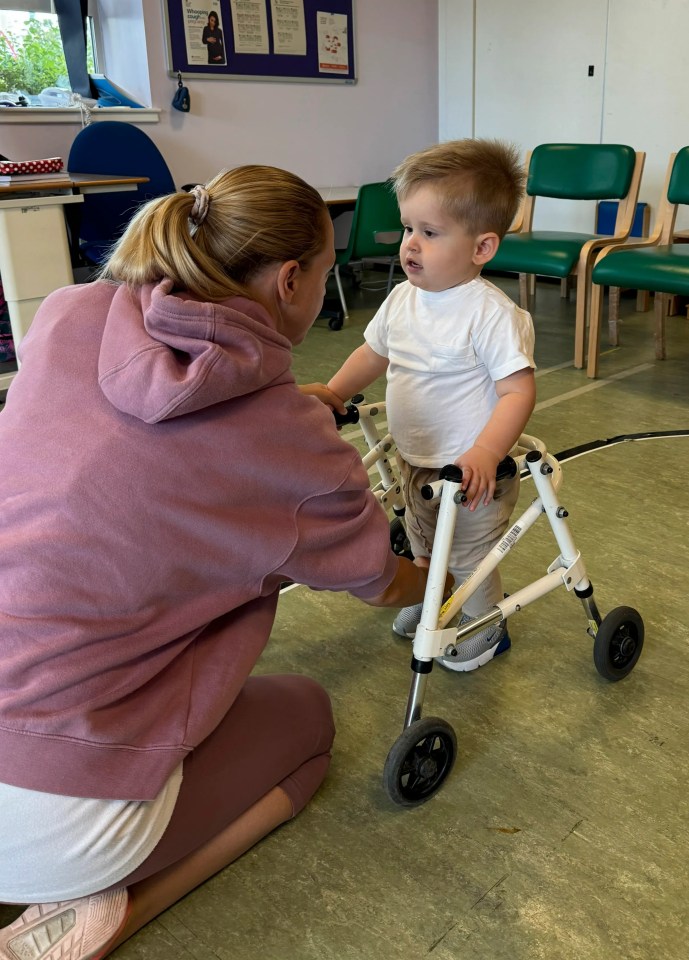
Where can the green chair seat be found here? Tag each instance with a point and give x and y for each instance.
(646, 268)
(553, 253)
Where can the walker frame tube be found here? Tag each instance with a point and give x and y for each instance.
(433, 638)
(423, 755)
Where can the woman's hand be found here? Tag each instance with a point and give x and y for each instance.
(324, 394)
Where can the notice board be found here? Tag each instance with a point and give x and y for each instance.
(299, 40)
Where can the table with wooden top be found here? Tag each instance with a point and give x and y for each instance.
(339, 196)
(35, 256)
(80, 182)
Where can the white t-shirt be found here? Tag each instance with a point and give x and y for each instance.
(445, 352)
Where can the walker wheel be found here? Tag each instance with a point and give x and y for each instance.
(419, 760)
(335, 323)
(618, 643)
(399, 541)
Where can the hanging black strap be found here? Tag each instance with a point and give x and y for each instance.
(71, 16)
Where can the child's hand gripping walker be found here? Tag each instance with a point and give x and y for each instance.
(423, 755)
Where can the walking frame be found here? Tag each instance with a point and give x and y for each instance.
(422, 757)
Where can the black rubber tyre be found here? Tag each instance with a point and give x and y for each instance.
(618, 643)
(335, 323)
(419, 761)
(399, 540)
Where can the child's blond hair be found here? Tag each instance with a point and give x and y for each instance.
(480, 182)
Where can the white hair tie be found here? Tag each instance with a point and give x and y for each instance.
(199, 211)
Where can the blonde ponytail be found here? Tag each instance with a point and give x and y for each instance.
(253, 216)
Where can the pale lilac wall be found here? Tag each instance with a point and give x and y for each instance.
(327, 133)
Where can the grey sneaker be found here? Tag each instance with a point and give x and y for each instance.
(407, 620)
(476, 651)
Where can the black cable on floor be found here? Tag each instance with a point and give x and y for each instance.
(577, 451)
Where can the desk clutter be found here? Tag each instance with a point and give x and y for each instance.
(26, 167)
(31, 171)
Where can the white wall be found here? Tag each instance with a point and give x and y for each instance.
(527, 79)
(327, 133)
(646, 86)
(456, 38)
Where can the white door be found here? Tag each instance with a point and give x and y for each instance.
(538, 78)
(646, 102)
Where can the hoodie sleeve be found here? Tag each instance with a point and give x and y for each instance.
(343, 539)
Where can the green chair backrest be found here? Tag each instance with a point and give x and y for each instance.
(376, 212)
(581, 171)
(678, 187)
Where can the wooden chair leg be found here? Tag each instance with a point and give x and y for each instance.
(583, 274)
(660, 312)
(613, 316)
(595, 312)
(532, 284)
(524, 291)
(564, 288)
(643, 301)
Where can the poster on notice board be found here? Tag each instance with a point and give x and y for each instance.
(261, 39)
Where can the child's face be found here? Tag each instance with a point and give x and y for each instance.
(436, 252)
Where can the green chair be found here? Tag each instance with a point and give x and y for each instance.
(376, 232)
(570, 171)
(655, 264)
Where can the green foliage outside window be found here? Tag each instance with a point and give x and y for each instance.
(34, 60)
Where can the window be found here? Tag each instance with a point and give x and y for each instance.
(31, 52)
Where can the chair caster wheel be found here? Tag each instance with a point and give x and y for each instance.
(335, 323)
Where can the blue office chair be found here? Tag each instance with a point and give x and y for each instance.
(111, 146)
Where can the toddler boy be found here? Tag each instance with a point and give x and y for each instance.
(458, 354)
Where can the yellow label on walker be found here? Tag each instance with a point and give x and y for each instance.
(445, 607)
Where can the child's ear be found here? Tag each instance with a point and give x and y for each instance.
(486, 247)
(288, 279)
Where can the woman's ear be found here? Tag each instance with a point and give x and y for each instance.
(486, 247)
(288, 280)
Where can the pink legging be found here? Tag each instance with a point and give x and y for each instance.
(278, 733)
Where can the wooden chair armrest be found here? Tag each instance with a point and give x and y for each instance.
(523, 219)
(626, 245)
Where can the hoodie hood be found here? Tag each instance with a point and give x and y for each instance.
(165, 355)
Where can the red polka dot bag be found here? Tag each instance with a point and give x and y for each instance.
(49, 165)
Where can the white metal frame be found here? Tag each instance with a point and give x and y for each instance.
(433, 637)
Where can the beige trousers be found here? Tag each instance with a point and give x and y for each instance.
(476, 532)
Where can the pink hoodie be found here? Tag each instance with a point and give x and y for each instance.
(161, 476)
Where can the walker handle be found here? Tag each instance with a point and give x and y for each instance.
(351, 416)
(506, 468)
